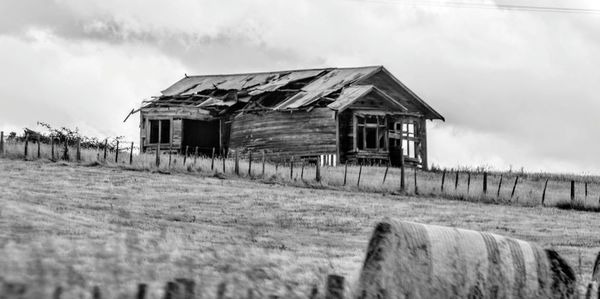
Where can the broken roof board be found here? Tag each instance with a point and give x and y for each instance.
(326, 84)
(352, 93)
(286, 79)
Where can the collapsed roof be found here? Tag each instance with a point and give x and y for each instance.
(336, 88)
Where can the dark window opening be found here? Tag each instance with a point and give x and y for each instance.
(165, 131)
(371, 138)
(203, 135)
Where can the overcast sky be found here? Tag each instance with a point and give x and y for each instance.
(517, 88)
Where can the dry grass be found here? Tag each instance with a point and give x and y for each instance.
(81, 226)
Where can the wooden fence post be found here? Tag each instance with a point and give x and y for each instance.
(170, 153)
(499, 186)
(2, 143)
(544, 193)
(212, 158)
(468, 182)
(158, 154)
(292, 168)
(250, 164)
(263, 164)
(52, 148)
(78, 153)
(26, 149)
(186, 154)
(387, 167)
(456, 181)
(141, 291)
(416, 186)
(485, 182)
(443, 179)
(359, 174)
(131, 154)
(586, 190)
(572, 190)
(514, 187)
(39, 153)
(345, 172)
(402, 182)
(223, 156)
(106, 148)
(196, 158)
(318, 171)
(117, 153)
(237, 163)
(66, 150)
(335, 287)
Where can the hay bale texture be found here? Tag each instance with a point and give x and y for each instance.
(412, 260)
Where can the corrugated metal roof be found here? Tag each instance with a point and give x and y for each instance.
(349, 95)
(326, 84)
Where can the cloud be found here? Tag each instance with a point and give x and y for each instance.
(515, 87)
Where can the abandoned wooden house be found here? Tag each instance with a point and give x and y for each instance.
(336, 114)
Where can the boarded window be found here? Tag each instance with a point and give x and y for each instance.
(165, 130)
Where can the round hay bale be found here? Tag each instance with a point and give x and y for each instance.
(412, 260)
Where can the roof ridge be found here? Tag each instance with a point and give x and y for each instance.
(284, 71)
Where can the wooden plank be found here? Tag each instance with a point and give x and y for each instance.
(423, 137)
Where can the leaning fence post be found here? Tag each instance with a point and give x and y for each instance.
(39, 153)
(514, 187)
(141, 291)
(25, 150)
(572, 190)
(250, 164)
(387, 167)
(485, 182)
(302, 171)
(359, 174)
(499, 186)
(1, 142)
(212, 158)
(292, 168)
(544, 193)
(106, 148)
(318, 171)
(117, 153)
(78, 153)
(335, 287)
(131, 154)
(443, 179)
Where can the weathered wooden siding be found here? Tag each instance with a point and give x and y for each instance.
(176, 133)
(297, 133)
(391, 88)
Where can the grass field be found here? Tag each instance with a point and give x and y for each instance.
(78, 226)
